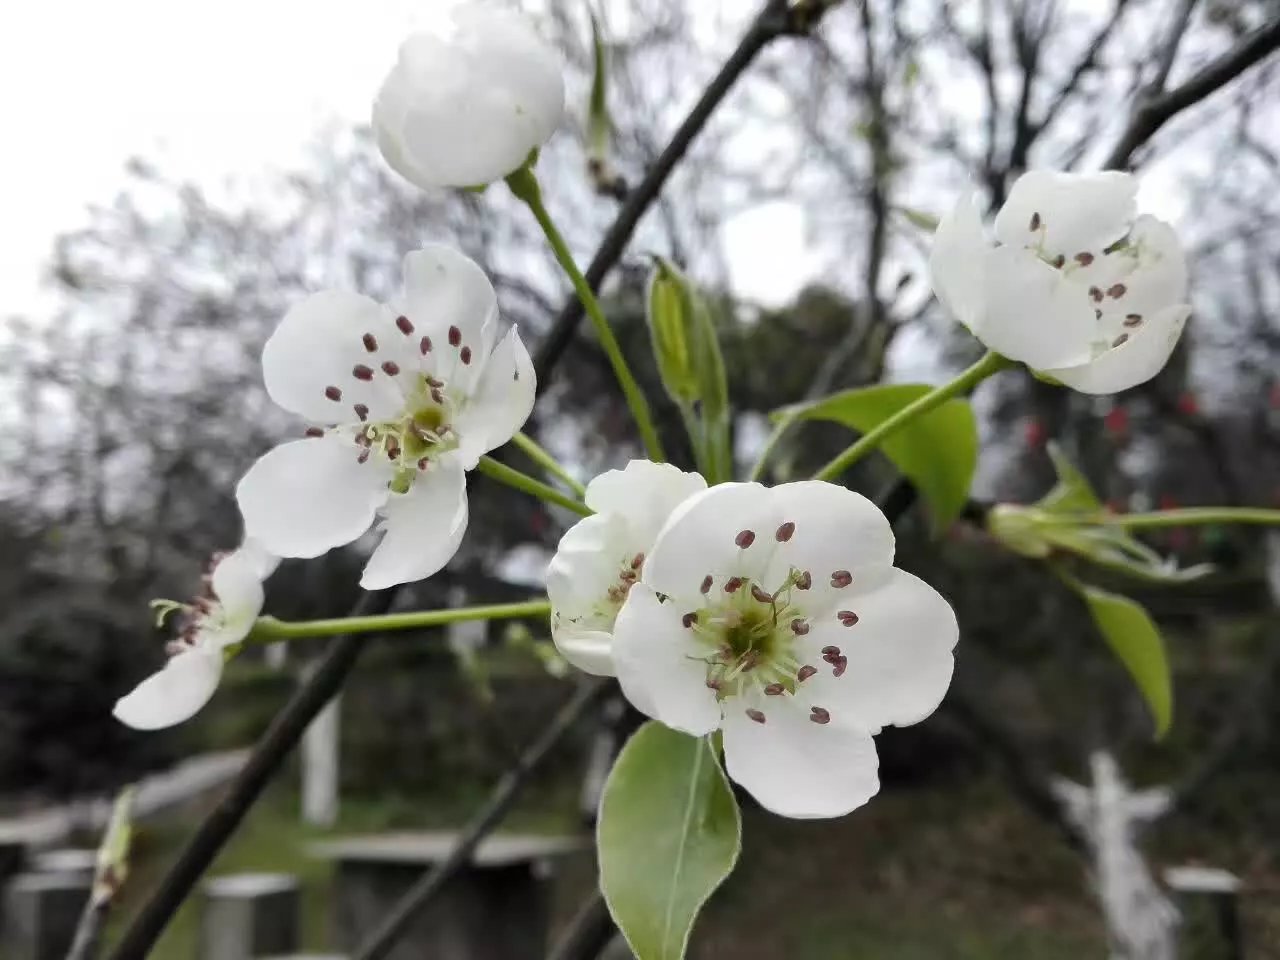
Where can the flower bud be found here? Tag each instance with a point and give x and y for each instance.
(684, 341)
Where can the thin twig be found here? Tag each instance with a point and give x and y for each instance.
(589, 932)
(268, 757)
(500, 801)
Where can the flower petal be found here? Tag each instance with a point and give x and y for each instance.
(305, 497)
(175, 693)
(956, 262)
(502, 401)
(1134, 361)
(899, 655)
(1067, 213)
(585, 567)
(237, 583)
(423, 528)
(645, 494)
(589, 650)
(310, 358)
(1034, 314)
(797, 768)
(659, 667)
(449, 298)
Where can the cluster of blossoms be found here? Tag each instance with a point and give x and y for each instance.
(774, 615)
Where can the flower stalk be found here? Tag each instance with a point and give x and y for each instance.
(522, 481)
(271, 630)
(1190, 516)
(524, 185)
(539, 455)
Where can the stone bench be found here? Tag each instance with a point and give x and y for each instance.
(496, 908)
(249, 915)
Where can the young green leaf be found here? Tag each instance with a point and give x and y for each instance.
(1072, 493)
(937, 453)
(1136, 641)
(669, 834)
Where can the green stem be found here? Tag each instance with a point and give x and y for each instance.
(525, 186)
(522, 481)
(780, 428)
(542, 458)
(269, 629)
(989, 364)
(1184, 518)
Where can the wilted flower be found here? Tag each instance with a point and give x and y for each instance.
(411, 395)
(602, 556)
(465, 106)
(212, 623)
(776, 615)
(1074, 287)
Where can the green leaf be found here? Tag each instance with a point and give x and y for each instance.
(1072, 493)
(936, 452)
(669, 834)
(1134, 638)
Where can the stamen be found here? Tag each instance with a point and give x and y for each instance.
(706, 584)
(841, 578)
(1096, 294)
(424, 463)
(759, 595)
(689, 619)
(1120, 340)
(465, 354)
(774, 690)
(847, 617)
(361, 372)
(437, 396)
(755, 715)
(370, 342)
(819, 715)
(391, 368)
(805, 672)
(314, 432)
(1116, 290)
(732, 584)
(804, 581)
(839, 666)
(745, 539)
(785, 532)
(1035, 222)
(1133, 320)
(393, 447)
(1084, 258)
(1060, 261)
(425, 345)
(637, 561)
(713, 683)
(362, 411)
(455, 336)
(405, 326)
(799, 627)
(363, 455)
(333, 393)
(831, 651)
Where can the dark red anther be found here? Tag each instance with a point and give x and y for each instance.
(785, 532)
(805, 672)
(1116, 290)
(799, 627)
(755, 714)
(333, 393)
(362, 411)
(759, 595)
(732, 584)
(391, 368)
(804, 581)
(847, 618)
(314, 432)
(425, 345)
(706, 584)
(455, 336)
(1084, 258)
(361, 372)
(774, 690)
(689, 619)
(745, 538)
(819, 715)
(370, 342)
(404, 325)
(839, 666)
(465, 354)
(841, 578)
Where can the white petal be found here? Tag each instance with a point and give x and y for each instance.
(586, 565)
(899, 653)
(1076, 212)
(502, 401)
(832, 531)
(795, 767)
(1034, 314)
(659, 666)
(589, 650)
(305, 497)
(957, 261)
(645, 493)
(237, 583)
(446, 290)
(259, 559)
(175, 693)
(423, 528)
(700, 539)
(1135, 361)
(318, 345)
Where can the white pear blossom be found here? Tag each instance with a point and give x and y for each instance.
(466, 104)
(215, 621)
(602, 556)
(777, 616)
(404, 398)
(1074, 287)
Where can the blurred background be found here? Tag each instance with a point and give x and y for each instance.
(176, 175)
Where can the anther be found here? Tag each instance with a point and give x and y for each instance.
(1097, 314)
(425, 345)
(799, 627)
(1133, 320)
(465, 354)
(805, 672)
(841, 578)
(819, 715)
(637, 561)
(785, 532)
(1084, 258)
(393, 448)
(758, 594)
(333, 393)
(362, 411)
(436, 395)
(774, 690)
(1116, 290)
(689, 619)
(424, 463)
(314, 432)
(1096, 294)
(732, 584)
(831, 651)
(745, 538)
(713, 683)
(755, 715)
(706, 584)
(363, 455)
(804, 581)
(391, 368)
(1120, 340)
(405, 326)
(455, 336)
(370, 342)
(1060, 261)
(839, 665)
(847, 617)
(1035, 222)
(361, 372)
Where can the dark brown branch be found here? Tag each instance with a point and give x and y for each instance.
(268, 756)
(778, 19)
(589, 932)
(504, 795)
(1169, 51)
(1153, 112)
